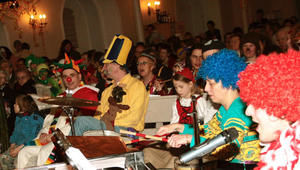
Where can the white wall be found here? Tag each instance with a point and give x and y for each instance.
(81, 24)
(110, 20)
(53, 32)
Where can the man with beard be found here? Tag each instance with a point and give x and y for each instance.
(134, 95)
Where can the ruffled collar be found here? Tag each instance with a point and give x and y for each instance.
(283, 153)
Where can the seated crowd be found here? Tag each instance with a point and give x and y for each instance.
(209, 76)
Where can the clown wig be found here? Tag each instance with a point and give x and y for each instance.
(225, 66)
(273, 83)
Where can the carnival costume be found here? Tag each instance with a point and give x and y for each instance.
(225, 66)
(273, 83)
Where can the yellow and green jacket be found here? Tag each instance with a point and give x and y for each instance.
(243, 149)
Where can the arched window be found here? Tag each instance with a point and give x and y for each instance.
(70, 26)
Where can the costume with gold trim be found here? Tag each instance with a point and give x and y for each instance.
(243, 149)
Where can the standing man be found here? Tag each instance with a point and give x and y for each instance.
(133, 94)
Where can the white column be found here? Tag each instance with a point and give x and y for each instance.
(138, 21)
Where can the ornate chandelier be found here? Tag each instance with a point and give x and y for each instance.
(14, 9)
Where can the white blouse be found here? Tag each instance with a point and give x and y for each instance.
(204, 107)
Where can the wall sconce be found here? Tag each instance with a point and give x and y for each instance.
(157, 10)
(38, 23)
(149, 8)
(156, 5)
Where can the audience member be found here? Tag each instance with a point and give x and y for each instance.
(132, 59)
(27, 125)
(146, 65)
(212, 33)
(67, 47)
(283, 39)
(8, 96)
(153, 37)
(25, 84)
(211, 47)
(194, 59)
(250, 47)
(235, 41)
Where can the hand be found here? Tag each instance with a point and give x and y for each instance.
(45, 138)
(175, 127)
(13, 151)
(158, 85)
(177, 141)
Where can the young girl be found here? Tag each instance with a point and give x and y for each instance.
(184, 83)
(27, 125)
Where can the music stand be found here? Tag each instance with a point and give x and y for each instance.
(70, 113)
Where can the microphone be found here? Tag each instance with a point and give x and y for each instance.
(210, 145)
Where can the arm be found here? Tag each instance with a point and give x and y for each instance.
(205, 109)
(175, 116)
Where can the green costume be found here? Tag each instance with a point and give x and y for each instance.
(44, 78)
(243, 149)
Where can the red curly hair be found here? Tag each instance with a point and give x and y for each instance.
(273, 83)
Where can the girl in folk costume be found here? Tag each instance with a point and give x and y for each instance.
(271, 88)
(27, 125)
(184, 83)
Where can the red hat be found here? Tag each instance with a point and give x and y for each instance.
(187, 73)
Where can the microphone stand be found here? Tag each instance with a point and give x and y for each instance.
(195, 125)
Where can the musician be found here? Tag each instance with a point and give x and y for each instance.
(41, 150)
(221, 73)
(135, 96)
(71, 77)
(271, 88)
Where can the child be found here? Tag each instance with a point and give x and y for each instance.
(271, 88)
(27, 125)
(184, 83)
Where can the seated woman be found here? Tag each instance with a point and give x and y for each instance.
(221, 73)
(146, 66)
(27, 125)
(271, 88)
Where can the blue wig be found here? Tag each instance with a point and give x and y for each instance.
(225, 66)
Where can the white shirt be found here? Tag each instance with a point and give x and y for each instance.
(204, 107)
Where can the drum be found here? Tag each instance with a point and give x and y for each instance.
(105, 133)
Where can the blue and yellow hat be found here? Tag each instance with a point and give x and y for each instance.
(118, 50)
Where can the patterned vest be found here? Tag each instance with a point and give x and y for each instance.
(183, 112)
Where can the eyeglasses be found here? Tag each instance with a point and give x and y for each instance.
(143, 63)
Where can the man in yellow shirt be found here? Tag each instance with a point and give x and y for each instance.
(136, 97)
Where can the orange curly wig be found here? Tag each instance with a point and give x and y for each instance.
(273, 83)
